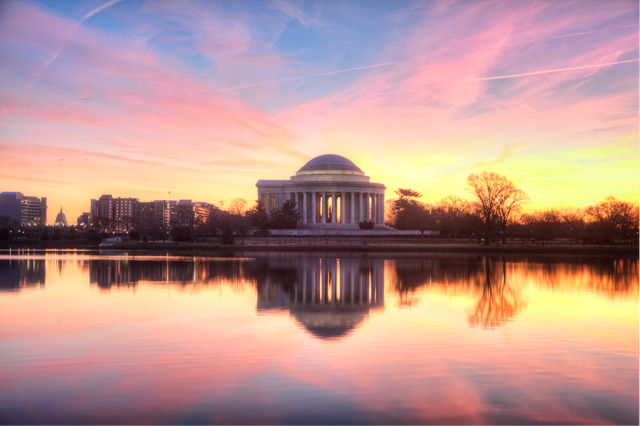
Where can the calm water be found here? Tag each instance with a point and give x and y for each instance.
(295, 338)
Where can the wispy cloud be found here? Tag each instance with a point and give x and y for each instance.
(36, 76)
(583, 67)
(99, 9)
(294, 10)
(583, 33)
(303, 77)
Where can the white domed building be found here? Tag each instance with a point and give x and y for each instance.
(61, 219)
(331, 192)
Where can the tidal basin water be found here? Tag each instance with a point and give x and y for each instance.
(318, 338)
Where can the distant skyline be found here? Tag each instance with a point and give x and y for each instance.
(202, 99)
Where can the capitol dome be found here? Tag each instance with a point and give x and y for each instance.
(330, 162)
(61, 218)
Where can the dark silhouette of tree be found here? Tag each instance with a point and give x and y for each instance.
(572, 220)
(455, 216)
(285, 217)
(257, 216)
(407, 193)
(182, 233)
(498, 200)
(8, 228)
(409, 214)
(227, 233)
(614, 218)
(240, 225)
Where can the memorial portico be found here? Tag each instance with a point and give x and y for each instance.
(330, 191)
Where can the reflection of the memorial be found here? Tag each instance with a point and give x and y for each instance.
(21, 274)
(329, 296)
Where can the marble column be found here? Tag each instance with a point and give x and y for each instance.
(334, 210)
(342, 209)
(323, 203)
(313, 207)
(303, 208)
(352, 201)
(367, 212)
(374, 216)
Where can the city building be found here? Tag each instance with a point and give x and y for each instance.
(84, 219)
(61, 219)
(330, 192)
(153, 214)
(29, 211)
(202, 211)
(113, 214)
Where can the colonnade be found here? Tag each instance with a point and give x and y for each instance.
(331, 207)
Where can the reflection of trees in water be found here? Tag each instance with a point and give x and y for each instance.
(19, 274)
(500, 301)
(456, 273)
(496, 279)
(614, 276)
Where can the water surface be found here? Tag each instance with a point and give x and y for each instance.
(297, 338)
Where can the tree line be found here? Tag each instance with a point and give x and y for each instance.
(495, 213)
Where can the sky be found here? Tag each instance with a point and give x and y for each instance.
(181, 99)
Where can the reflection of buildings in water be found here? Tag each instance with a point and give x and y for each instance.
(183, 272)
(329, 297)
(109, 273)
(21, 274)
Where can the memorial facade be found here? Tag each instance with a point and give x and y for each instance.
(330, 192)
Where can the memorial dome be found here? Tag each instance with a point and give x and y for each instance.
(330, 162)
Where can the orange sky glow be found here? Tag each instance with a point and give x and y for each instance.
(198, 100)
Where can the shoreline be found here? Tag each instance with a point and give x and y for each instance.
(333, 245)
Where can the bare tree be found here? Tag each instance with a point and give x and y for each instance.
(452, 212)
(614, 217)
(498, 200)
(238, 206)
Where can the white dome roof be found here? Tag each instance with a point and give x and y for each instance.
(330, 162)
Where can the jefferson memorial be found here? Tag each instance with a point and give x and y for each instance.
(331, 192)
